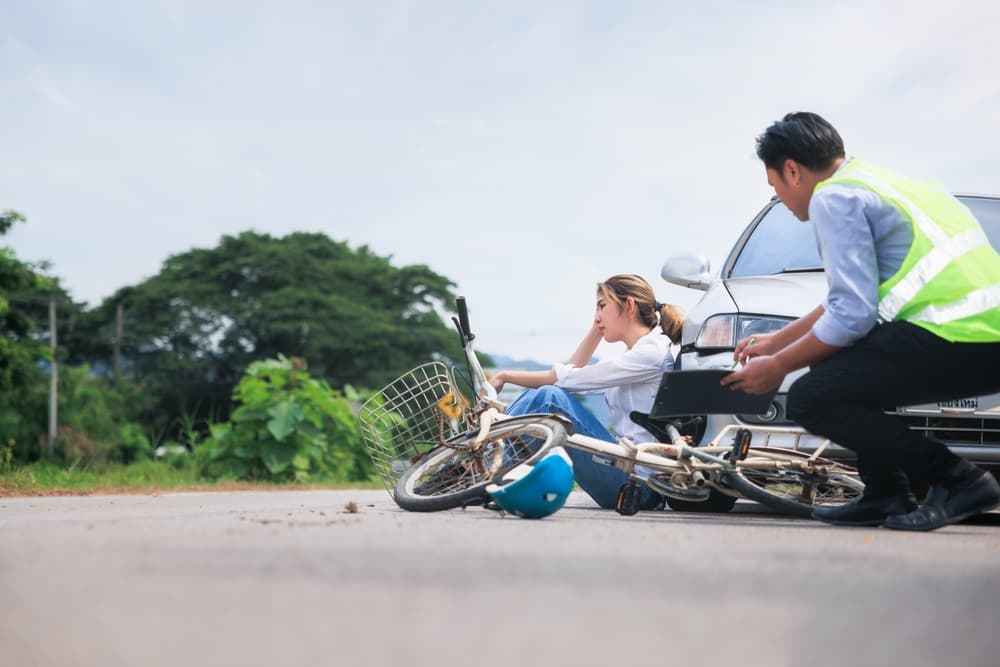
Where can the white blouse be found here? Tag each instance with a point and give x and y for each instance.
(629, 382)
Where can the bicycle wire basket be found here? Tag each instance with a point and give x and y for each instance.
(410, 416)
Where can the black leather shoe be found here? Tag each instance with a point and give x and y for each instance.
(950, 503)
(863, 511)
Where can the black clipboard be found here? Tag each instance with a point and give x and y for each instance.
(699, 393)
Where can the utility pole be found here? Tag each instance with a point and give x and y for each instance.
(53, 377)
(118, 340)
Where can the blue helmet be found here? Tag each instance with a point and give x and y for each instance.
(534, 490)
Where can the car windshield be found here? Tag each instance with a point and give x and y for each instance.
(780, 243)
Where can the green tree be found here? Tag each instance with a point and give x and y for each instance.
(25, 348)
(22, 380)
(192, 329)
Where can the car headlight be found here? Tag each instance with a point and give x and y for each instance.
(725, 330)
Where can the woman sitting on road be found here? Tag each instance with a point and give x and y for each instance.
(627, 311)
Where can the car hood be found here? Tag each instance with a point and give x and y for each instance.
(785, 294)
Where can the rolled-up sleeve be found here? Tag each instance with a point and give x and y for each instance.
(848, 249)
(647, 360)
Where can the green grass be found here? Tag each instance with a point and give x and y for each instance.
(47, 478)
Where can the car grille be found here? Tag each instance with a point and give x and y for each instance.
(957, 430)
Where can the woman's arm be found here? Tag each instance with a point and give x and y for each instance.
(534, 379)
(585, 350)
(648, 359)
(530, 379)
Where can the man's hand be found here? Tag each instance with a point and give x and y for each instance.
(756, 346)
(759, 376)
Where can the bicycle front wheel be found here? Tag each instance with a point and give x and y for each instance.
(457, 474)
(774, 479)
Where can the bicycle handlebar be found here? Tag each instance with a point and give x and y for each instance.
(463, 320)
(481, 384)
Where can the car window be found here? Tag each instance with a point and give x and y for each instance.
(779, 242)
(987, 212)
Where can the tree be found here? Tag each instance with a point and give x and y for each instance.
(22, 380)
(90, 411)
(191, 330)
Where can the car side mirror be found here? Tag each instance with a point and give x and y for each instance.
(687, 270)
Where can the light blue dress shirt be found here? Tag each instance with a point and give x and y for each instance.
(863, 241)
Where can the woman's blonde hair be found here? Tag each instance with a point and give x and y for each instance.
(624, 285)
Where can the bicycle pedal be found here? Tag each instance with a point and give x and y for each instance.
(629, 498)
(741, 446)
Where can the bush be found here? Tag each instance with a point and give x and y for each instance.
(80, 449)
(288, 426)
(93, 426)
(7, 456)
(133, 444)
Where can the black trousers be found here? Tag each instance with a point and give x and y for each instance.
(844, 397)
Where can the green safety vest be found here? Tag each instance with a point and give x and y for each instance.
(949, 282)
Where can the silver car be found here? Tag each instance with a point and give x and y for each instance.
(774, 275)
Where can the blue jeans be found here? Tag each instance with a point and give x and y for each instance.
(600, 481)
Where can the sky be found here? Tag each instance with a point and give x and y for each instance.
(525, 150)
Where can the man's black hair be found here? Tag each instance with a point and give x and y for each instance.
(802, 136)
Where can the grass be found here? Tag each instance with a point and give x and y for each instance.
(145, 477)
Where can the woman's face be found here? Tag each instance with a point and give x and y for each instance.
(610, 319)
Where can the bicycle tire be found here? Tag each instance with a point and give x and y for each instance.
(455, 475)
(795, 491)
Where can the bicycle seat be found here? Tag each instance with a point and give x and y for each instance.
(693, 426)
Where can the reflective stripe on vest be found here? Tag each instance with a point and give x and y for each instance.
(929, 266)
(973, 303)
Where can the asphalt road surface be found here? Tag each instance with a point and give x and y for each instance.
(296, 578)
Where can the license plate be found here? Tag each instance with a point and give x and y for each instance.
(959, 405)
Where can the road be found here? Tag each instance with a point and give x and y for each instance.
(295, 578)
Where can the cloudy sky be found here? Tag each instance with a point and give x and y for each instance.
(523, 149)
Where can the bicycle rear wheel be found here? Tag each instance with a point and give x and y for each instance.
(458, 473)
(791, 488)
